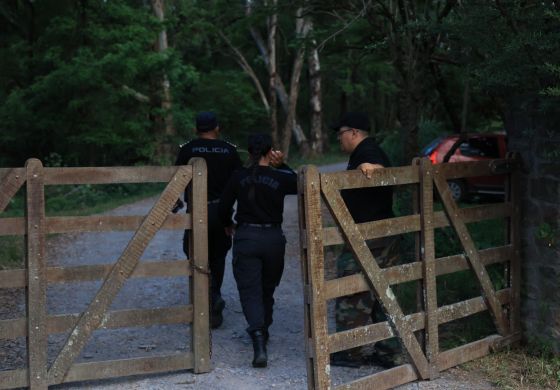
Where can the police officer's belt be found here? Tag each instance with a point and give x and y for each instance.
(214, 201)
(260, 225)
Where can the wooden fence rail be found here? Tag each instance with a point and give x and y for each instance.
(418, 332)
(38, 324)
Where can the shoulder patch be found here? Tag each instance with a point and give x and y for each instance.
(229, 143)
(184, 143)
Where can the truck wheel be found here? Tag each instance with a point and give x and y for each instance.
(458, 190)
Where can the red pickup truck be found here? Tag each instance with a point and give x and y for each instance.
(470, 147)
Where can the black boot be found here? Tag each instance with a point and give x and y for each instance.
(216, 317)
(259, 348)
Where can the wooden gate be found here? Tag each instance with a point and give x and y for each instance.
(37, 325)
(423, 350)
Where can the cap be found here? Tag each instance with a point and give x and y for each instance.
(354, 120)
(206, 121)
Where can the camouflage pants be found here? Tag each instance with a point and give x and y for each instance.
(362, 308)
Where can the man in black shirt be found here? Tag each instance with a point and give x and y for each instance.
(222, 160)
(364, 204)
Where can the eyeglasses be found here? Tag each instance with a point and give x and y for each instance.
(340, 132)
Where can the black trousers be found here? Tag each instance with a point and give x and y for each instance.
(258, 263)
(218, 245)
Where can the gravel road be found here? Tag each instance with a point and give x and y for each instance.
(231, 347)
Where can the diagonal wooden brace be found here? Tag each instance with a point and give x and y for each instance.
(454, 214)
(10, 183)
(372, 274)
(93, 317)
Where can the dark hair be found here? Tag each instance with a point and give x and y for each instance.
(259, 145)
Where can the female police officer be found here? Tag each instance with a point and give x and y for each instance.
(258, 244)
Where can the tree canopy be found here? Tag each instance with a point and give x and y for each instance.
(81, 81)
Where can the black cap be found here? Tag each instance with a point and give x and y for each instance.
(354, 120)
(206, 121)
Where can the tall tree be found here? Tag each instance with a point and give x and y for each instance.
(164, 150)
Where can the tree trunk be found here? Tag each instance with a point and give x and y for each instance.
(273, 112)
(466, 97)
(409, 109)
(444, 96)
(316, 133)
(299, 135)
(302, 28)
(165, 130)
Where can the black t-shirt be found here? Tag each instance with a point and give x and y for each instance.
(265, 203)
(221, 158)
(374, 203)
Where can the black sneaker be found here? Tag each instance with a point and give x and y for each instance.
(216, 317)
(344, 359)
(388, 360)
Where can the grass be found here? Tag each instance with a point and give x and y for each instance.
(519, 368)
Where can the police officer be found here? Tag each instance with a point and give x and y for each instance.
(364, 204)
(222, 160)
(258, 244)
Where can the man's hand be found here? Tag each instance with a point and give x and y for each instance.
(368, 168)
(178, 206)
(276, 158)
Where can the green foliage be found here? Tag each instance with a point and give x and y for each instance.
(547, 235)
(73, 90)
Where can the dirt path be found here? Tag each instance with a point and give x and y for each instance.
(232, 351)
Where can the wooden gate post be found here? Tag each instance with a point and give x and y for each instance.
(199, 286)
(37, 281)
(429, 264)
(314, 282)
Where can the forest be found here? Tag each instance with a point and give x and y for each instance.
(118, 82)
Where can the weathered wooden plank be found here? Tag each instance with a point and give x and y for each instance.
(107, 369)
(466, 353)
(12, 379)
(373, 333)
(103, 223)
(133, 366)
(458, 170)
(387, 379)
(353, 284)
(93, 316)
(11, 181)
(429, 264)
(304, 264)
(485, 212)
(469, 307)
(13, 278)
(376, 229)
(94, 223)
(145, 269)
(61, 323)
(317, 350)
(472, 255)
(381, 177)
(200, 284)
(12, 226)
(411, 223)
(37, 284)
(415, 198)
(371, 269)
(109, 175)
